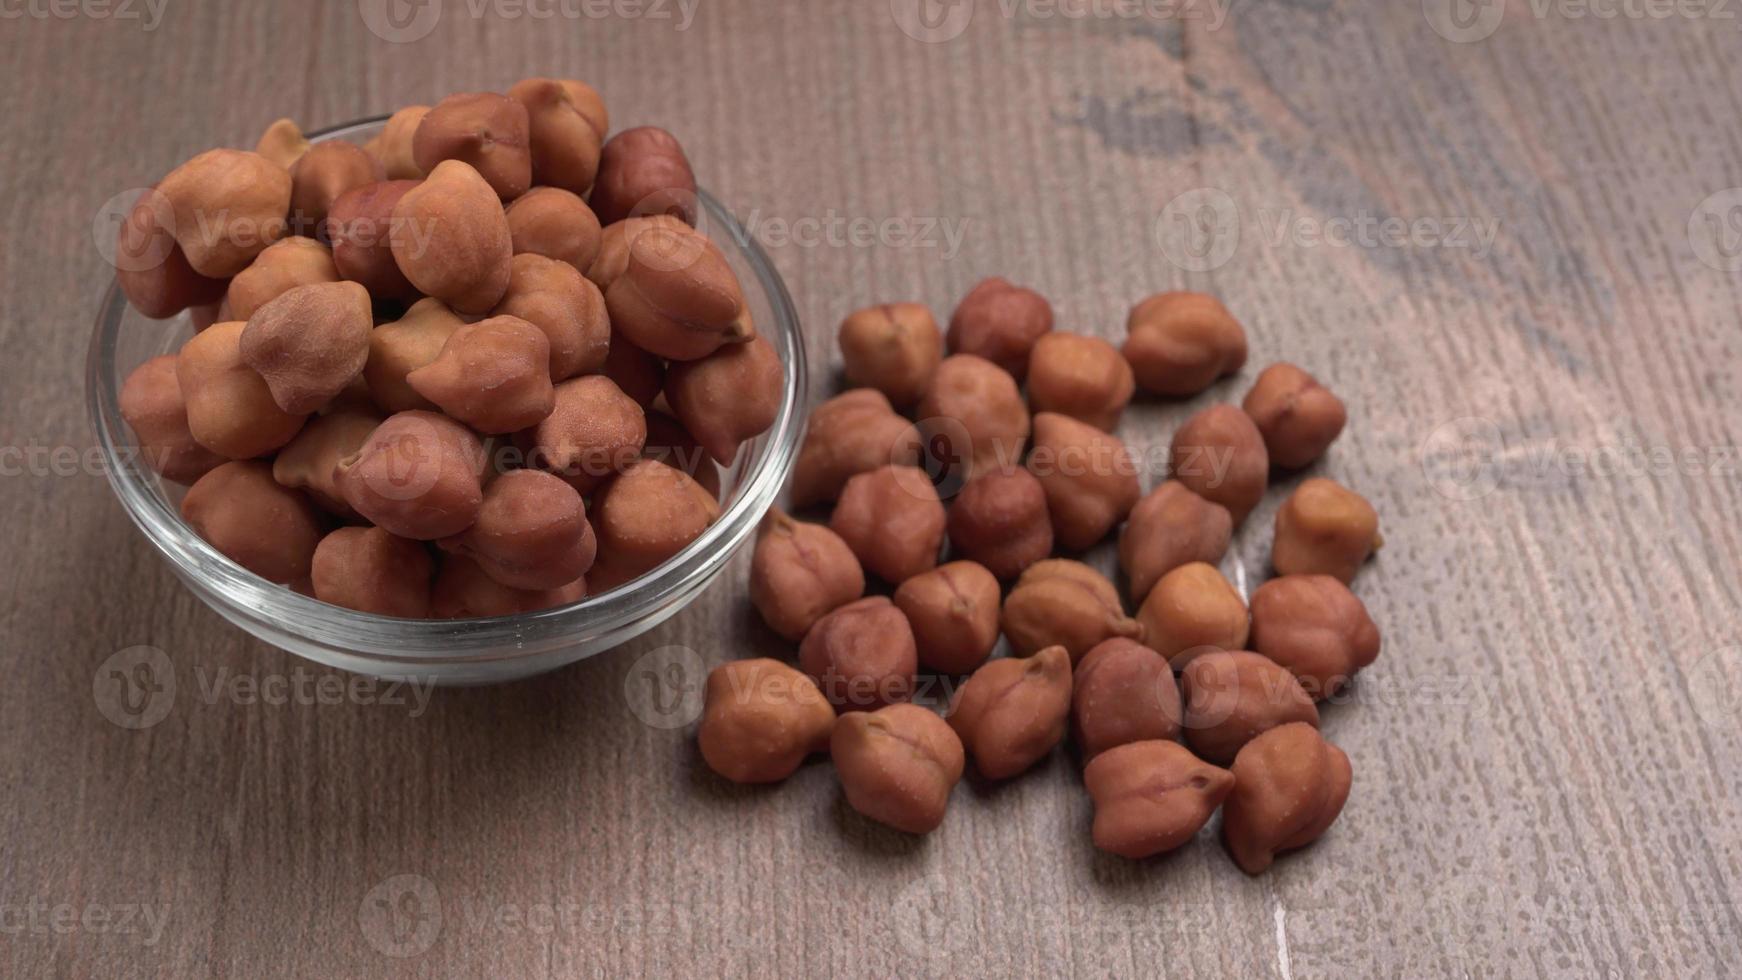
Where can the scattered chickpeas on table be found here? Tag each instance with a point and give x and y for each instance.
(1195, 703)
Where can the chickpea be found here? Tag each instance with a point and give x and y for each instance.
(1088, 475)
(1314, 626)
(953, 610)
(362, 230)
(649, 513)
(372, 571)
(1122, 692)
(729, 397)
(396, 349)
(861, 655)
(394, 146)
(309, 461)
(898, 765)
(418, 476)
(644, 171)
(760, 718)
(1065, 603)
(1179, 343)
(973, 401)
(850, 434)
(556, 224)
(493, 375)
(892, 519)
(1233, 696)
(1298, 417)
(270, 530)
(463, 591)
(1191, 611)
(463, 255)
(565, 142)
(1169, 528)
(1083, 377)
(1325, 528)
(678, 298)
(892, 347)
(1289, 786)
(559, 301)
(230, 410)
(282, 143)
(531, 532)
(1219, 455)
(487, 131)
(799, 573)
(1012, 711)
(309, 343)
(151, 403)
(150, 266)
(1000, 520)
(285, 264)
(228, 205)
(1000, 322)
(1152, 797)
(320, 177)
(593, 432)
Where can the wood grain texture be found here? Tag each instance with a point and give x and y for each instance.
(1547, 757)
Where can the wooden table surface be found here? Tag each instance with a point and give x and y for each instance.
(1507, 234)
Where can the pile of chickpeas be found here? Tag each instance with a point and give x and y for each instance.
(480, 366)
(1028, 480)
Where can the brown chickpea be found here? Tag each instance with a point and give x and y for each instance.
(230, 410)
(308, 462)
(1179, 343)
(760, 718)
(1083, 377)
(1219, 455)
(493, 375)
(799, 573)
(678, 298)
(362, 230)
(892, 347)
(892, 519)
(953, 610)
(861, 655)
(1088, 475)
(1012, 711)
(1000, 322)
(270, 530)
(463, 591)
(570, 311)
(418, 476)
(372, 571)
(1122, 692)
(556, 224)
(594, 432)
(310, 343)
(730, 396)
(1298, 417)
(565, 142)
(1152, 797)
(1000, 520)
(531, 532)
(1193, 610)
(320, 177)
(394, 146)
(485, 130)
(150, 266)
(648, 513)
(1233, 696)
(1314, 626)
(456, 245)
(396, 349)
(151, 403)
(228, 205)
(1289, 786)
(973, 399)
(643, 171)
(1059, 602)
(849, 434)
(1170, 527)
(285, 264)
(898, 765)
(1325, 528)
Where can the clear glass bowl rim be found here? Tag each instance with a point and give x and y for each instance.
(592, 625)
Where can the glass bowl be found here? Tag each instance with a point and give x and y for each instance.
(461, 651)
